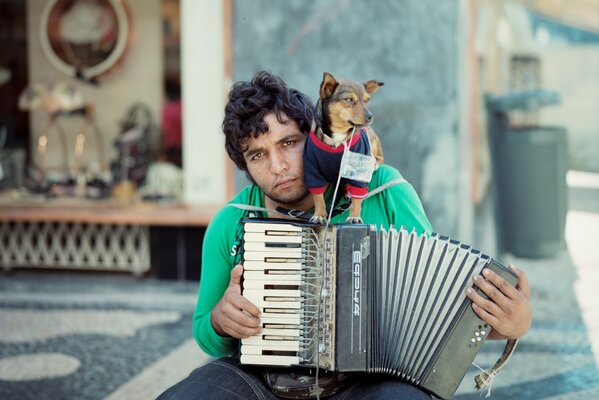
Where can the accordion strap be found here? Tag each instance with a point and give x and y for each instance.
(384, 186)
(485, 378)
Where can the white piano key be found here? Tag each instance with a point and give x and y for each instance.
(271, 277)
(264, 238)
(259, 255)
(259, 350)
(263, 227)
(278, 311)
(269, 360)
(278, 272)
(261, 303)
(287, 334)
(282, 318)
(273, 293)
(291, 333)
(258, 340)
(262, 284)
(282, 326)
(293, 249)
(261, 265)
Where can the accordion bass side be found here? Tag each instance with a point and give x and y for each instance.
(354, 298)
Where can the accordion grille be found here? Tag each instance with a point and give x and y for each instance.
(419, 287)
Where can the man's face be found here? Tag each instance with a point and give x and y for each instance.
(274, 160)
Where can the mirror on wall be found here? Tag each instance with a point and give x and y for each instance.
(85, 38)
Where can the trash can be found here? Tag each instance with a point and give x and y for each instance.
(529, 166)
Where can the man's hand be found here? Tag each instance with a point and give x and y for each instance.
(234, 315)
(509, 312)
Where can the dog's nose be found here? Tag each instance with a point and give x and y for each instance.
(368, 117)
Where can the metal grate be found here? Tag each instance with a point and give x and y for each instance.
(106, 247)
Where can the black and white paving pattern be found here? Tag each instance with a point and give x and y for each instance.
(89, 336)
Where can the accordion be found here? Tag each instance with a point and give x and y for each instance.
(353, 298)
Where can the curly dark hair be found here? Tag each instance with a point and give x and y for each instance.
(250, 101)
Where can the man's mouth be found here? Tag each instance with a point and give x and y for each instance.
(285, 183)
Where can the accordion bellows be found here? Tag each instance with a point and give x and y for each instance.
(354, 298)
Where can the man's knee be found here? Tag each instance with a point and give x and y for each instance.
(219, 379)
(385, 388)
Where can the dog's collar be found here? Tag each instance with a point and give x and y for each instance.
(322, 139)
(326, 143)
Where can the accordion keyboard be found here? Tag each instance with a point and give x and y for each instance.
(273, 281)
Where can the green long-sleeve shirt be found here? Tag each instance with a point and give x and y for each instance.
(398, 205)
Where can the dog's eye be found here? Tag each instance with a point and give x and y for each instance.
(367, 100)
(349, 99)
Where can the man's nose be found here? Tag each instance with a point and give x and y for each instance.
(278, 163)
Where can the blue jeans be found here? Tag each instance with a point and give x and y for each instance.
(225, 379)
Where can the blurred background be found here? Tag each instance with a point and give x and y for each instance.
(112, 165)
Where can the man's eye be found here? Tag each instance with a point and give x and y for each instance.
(289, 143)
(257, 156)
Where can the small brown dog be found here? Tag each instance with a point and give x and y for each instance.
(341, 121)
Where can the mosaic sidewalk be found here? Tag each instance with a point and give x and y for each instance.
(65, 336)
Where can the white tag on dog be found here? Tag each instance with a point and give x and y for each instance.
(356, 166)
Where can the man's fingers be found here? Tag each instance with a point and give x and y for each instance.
(236, 275)
(507, 309)
(238, 323)
(485, 304)
(501, 284)
(246, 319)
(522, 281)
(242, 318)
(496, 296)
(485, 316)
(239, 331)
(241, 303)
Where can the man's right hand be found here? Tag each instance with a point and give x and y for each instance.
(234, 315)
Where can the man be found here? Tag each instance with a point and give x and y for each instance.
(265, 126)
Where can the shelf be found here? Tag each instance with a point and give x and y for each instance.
(103, 212)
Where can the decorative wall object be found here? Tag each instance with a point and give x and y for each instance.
(85, 38)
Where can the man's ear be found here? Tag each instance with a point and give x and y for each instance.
(328, 85)
(372, 86)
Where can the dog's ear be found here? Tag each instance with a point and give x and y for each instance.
(372, 86)
(328, 85)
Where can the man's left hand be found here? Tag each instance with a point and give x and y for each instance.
(508, 310)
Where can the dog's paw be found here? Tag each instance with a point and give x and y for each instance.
(317, 219)
(354, 220)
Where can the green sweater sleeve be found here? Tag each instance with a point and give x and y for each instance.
(214, 280)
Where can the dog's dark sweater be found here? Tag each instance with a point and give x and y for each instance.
(322, 162)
